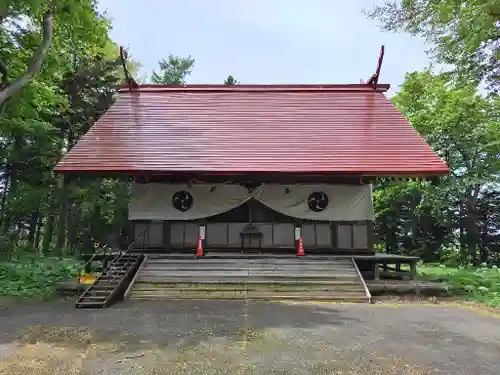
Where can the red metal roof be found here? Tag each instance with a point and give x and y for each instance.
(327, 129)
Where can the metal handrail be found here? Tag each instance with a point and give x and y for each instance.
(367, 291)
(87, 263)
(117, 258)
(94, 255)
(136, 276)
(127, 251)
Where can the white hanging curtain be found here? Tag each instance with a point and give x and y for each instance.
(319, 202)
(156, 201)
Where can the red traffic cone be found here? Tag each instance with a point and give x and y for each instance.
(199, 249)
(300, 248)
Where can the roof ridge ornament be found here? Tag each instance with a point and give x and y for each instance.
(374, 78)
(129, 80)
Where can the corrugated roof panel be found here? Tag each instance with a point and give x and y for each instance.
(305, 129)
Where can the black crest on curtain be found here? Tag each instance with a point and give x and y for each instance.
(182, 200)
(317, 201)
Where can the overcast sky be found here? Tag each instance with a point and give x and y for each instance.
(264, 41)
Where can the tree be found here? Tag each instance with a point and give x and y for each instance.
(9, 89)
(463, 127)
(27, 25)
(463, 33)
(173, 71)
(75, 84)
(89, 90)
(230, 80)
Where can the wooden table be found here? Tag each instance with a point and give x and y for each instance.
(249, 236)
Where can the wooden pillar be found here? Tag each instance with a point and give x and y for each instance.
(413, 270)
(166, 235)
(376, 273)
(333, 229)
(371, 236)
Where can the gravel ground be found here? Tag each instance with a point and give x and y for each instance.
(225, 337)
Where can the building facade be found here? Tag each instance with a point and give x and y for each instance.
(331, 218)
(252, 167)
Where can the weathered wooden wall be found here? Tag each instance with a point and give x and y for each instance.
(278, 232)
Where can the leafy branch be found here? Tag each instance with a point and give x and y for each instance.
(35, 65)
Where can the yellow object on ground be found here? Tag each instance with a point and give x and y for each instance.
(88, 278)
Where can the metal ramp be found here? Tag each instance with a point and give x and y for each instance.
(112, 283)
(320, 278)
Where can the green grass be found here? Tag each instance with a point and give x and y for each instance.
(36, 276)
(481, 284)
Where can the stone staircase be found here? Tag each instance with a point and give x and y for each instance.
(320, 278)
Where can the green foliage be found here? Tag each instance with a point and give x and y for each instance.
(174, 70)
(36, 276)
(481, 284)
(464, 33)
(452, 257)
(38, 36)
(41, 211)
(230, 80)
(463, 128)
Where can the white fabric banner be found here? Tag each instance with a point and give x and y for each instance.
(320, 202)
(156, 201)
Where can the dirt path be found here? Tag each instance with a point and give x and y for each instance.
(222, 337)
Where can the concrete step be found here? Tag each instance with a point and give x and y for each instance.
(222, 281)
(358, 298)
(250, 261)
(264, 272)
(242, 278)
(268, 278)
(234, 267)
(251, 256)
(257, 257)
(199, 277)
(251, 287)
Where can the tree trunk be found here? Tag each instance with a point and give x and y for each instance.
(73, 224)
(7, 181)
(392, 239)
(484, 240)
(470, 240)
(32, 227)
(34, 65)
(473, 236)
(38, 232)
(95, 224)
(432, 238)
(48, 231)
(63, 208)
(13, 171)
